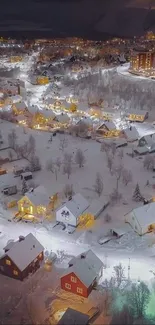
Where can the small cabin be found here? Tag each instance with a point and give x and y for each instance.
(26, 176)
(18, 171)
(137, 116)
(10, 190)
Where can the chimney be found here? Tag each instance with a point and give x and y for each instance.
(21, 238)
(83, 255)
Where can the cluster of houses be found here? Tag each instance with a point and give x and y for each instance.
(24, 256)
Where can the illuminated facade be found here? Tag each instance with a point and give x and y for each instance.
(142, 60)
(150, 36)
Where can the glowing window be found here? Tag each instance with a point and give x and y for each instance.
(73, 279)
(67, 286)
(15, 272)
(79, 290)
(8, 262)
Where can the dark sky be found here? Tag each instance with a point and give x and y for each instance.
(72, 17)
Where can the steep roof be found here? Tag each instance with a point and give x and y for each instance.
(86, 268)
(144, 215)
(21, 105)
(131, 133)
(23, 252)
(77, 205)
(39, 196)
(73, 317)
(62, 118)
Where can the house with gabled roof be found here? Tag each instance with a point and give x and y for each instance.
(71, 211)
(142, 219)
(73, 317)
(83, 274)
(21, 257)
(35, 203)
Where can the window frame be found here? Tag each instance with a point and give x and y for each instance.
(79, 290)
(68, 286)
(73, 279)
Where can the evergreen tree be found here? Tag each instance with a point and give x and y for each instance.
(24, 187)
(137, 196)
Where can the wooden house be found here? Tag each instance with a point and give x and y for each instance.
(42, 80)
(83, 274)
(22, 257)
(108, 129)
(71, 211)
(15, 59)
(73, 317)
(142, 219)
(35, 203)
(19, 108)
(137, 116)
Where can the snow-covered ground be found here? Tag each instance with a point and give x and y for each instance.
(83, 179)
(123, 70)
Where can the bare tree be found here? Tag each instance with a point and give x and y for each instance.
(110, 163)
(12, 139)
(63, 144)
(10, 155)
(117, 171)
(105, 147)
(115, 196)
(31, 145)
(35, 164)
(68, 190)
(58, 163)
(119, 275)
(148, 162)
(80, 158)
(121, 153)
(126, 176)
(98, 184)
(122, 317)
(52, 167)
(67, 168)
(113, 149)
(138, 299)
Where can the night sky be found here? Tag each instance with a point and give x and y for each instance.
(78, 17)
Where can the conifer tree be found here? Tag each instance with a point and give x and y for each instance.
(137, 196)
(24, 187)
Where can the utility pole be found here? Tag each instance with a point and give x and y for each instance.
(129, 270)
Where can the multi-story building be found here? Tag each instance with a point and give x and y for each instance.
(142, 60)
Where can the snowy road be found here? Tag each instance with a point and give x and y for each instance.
(139, 265)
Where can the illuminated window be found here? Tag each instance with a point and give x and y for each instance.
(8, 262)
(15, 272)
(73, 279)
(79, 290)
(67, 286)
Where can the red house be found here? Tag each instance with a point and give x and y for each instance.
(21, 257)
(83, 274)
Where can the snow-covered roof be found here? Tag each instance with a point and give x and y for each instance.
(39, 196)
(96, 207)
(145, 215)
(77, 205)
(86, 120)
(7, 108)
(23, 252)
(86, 266)
(131, 133)
(16, 98)
(149, 138)
(108, 124)
(26, 174)
(21, 105)
(48, 113)
(137, 112)
(63, 118)
(75, 317)
(20, 118)
(141, 150)
(8, 180)
(50, 101)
